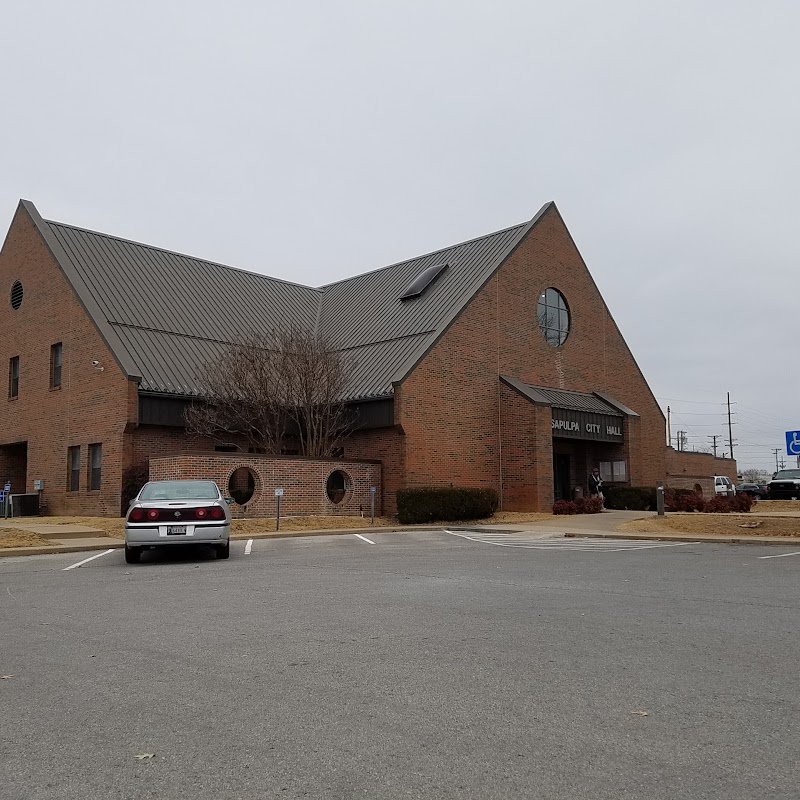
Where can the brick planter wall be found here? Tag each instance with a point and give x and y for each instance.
(303, 481)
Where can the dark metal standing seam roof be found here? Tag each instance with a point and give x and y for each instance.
(166, 315)
(561, 398)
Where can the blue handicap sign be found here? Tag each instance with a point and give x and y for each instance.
(793, 443)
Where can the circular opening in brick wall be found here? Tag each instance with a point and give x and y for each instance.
(16, 295)
(337, 486)
(242, 485)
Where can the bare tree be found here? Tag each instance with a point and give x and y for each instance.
(272, 390)
(752, 475)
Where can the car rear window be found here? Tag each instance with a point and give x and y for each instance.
(179, 490)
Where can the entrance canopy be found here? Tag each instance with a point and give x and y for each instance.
(578, 415)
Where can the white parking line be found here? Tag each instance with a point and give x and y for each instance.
(87, 560)
(782, 555)
(248, 547)
(368, 541)
(596, 545)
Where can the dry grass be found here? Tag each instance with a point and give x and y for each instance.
(9, 537)
(110, 526)
(776, 505)
(715, 525)
(267, 524)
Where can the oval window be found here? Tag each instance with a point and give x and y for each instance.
(336, 486)
(553, 315)
(242, 485)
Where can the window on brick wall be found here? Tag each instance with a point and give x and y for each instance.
(95, 466)
(73, 469)
(613, 471)
(13, 377)
(56, 352)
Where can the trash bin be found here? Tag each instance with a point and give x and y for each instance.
(577, 493)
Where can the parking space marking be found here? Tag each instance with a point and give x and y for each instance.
(87, 560)
(782, 555)
(368, 541)
(596, 545)
(248, 548)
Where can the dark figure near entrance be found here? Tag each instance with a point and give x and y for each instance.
(596, 484)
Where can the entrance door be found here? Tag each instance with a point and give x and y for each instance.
(561, 476)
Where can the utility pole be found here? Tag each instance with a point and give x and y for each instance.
(714, 442)
(730, 429)
(681, 439)
(669, 429)
(783, 463)
(776, 451)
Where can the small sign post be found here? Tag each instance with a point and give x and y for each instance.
(278, 495)
(372, 491)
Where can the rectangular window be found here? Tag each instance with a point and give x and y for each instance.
(73, 469)
(95, 466)
(56, 352)
(13, 377)
(613, 471)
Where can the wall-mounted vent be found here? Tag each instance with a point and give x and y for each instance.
(16, 295)
(423, 281)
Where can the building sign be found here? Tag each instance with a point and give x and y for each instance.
(586, 425)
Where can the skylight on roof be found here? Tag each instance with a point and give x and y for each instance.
(424, 280)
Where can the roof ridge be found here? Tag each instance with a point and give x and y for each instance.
(182, 255)
(424, 255)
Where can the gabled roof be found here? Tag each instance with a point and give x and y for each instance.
(164, 315)
(594, 403)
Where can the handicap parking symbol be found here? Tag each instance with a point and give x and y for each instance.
(793, 443)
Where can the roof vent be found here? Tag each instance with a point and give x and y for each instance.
(423, 281)
(16, 295)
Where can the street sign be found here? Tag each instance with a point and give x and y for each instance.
(793, 443)
(372, 490)
(7, 487)
(279, 493)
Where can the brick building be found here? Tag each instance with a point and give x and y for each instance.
(493, 363)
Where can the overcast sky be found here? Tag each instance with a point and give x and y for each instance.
(315, 140)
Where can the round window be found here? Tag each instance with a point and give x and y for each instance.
(242, 485)
(337, 485)
(553, 315)
(16, 295)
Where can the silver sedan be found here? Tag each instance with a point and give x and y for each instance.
(170, 513)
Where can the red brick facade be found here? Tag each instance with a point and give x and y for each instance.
(303, 481)
(455, 421)
(688, 470)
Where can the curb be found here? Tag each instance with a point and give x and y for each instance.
(787, 541)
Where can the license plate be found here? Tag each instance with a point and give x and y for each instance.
(176, 530)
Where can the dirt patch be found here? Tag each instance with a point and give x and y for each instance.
(715, 525)
(266, 524)
(776, 505)
(111, 526)
(9, 537)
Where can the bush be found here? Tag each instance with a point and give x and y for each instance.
(725, 505)
(428, 504)
(565, 507)
(683, 500)
(589, 505)
(632, 498)
(133, 479)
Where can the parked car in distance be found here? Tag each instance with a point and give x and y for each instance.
(785, 485)
(723, 485)
(753, 489)
(174, 513)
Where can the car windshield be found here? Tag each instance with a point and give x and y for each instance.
(787, 473)
(179, 490)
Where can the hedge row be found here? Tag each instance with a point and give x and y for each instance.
(585, 505)
(434, 503)
(643, 498)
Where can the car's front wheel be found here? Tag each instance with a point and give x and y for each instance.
(132, 554)
(224, 550)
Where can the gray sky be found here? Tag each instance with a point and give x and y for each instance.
(315, 140)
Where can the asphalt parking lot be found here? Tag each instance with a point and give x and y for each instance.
(403, 665)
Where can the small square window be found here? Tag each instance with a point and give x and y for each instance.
(73, 469)
(13, 377)
(606, 473)
(95, 466)
(56, 354)
(620, 471)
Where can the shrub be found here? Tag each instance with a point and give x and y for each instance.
(633, 498)
(725, 505)
(428, 504)
(133, 479)
(589, 505)
(565, 507)
(683, 500)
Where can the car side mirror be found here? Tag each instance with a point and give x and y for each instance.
(229, 500)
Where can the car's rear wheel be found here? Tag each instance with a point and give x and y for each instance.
(132, 554)
(224, 550)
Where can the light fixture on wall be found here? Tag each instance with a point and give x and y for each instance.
(98, 366)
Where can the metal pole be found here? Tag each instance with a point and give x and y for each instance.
(660, 500)
(730, 430)
(372, 506)
(669, 430)
(278, 515)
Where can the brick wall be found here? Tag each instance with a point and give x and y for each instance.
(92, 405)
(688, 470)
(303, 481)
(455, 413)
